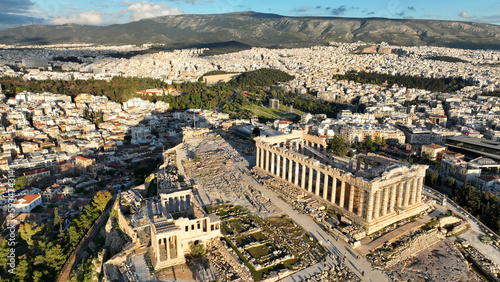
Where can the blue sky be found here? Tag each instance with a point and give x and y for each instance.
(21, 12)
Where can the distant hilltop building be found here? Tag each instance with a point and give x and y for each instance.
(274, 103)
(374, 192)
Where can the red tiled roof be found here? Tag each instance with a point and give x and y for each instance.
(487, 178)
(27, 199)
(81, 158)
(434, 146)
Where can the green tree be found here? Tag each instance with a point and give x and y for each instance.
(58, 221)
(27, 231)
(337, 146)
(450, 182)
(22, 270)
(255, 132)
(54, 256)
(4, 252)
(101, 199)
(369, 142)
(73, 236)
(434, 177)
(197, 250)
(20, 182)
(38, 276)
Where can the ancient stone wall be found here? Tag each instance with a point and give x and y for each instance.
(417, 245)
(123, 222)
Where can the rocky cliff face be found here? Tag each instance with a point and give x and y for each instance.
(266, 30)
(116, 239)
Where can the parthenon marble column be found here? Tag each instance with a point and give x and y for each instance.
(351, 198)
(414, 191)
(392, 202)
(272, 163)
(285, 168)
(267, 160)
(369, 208)
(407, 193)
(419, 188)
(400, 194)
(297, 165)
(289, 170)
(310, 178)
(376, 209)
(334, 190)
(361, 200)
(385, 203)
(325, 187)
(257, 156)
(262, 158)
(342, 194)
(278, 164)
(303, 180)
(167, 241)
(318, 182)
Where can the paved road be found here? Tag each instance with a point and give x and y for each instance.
(336, 248)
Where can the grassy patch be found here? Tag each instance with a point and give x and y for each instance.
(242, 241)
(226, 229)
(258, 236)
(236, 226)
(259, 251)
(281, 113)
(281, 222)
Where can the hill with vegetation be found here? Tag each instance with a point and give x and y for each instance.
(240, 30)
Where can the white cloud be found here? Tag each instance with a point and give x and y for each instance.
(72, 7)
(465, 15)
(132, 12)
(142, 10)
(493, 19)
(92, 17)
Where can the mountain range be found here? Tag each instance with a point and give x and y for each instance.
(263, 30)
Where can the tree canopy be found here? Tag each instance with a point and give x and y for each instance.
(337, 146)
(445, 84)
(483, 205)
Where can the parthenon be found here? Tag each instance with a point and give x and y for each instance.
(372, 190)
